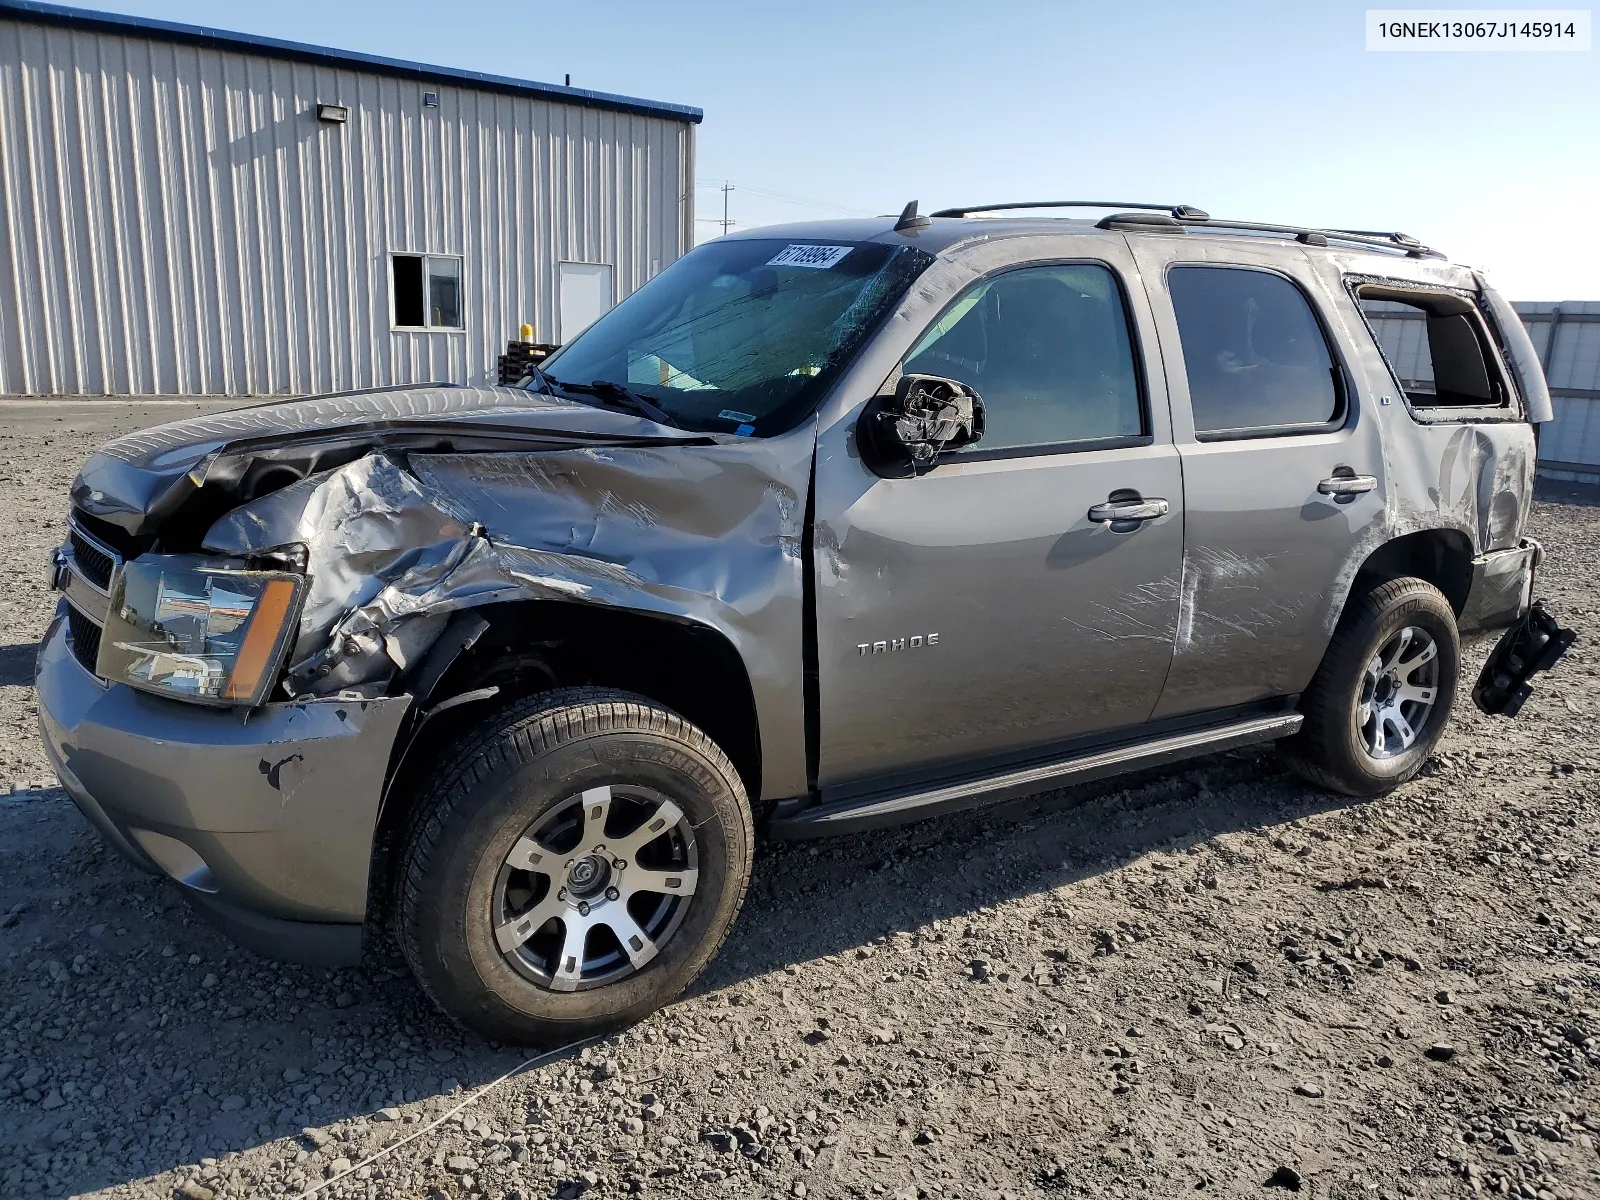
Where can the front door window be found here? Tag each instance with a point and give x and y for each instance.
(1048, 349)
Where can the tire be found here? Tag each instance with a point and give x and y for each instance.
(1354, 737)
(490, 848)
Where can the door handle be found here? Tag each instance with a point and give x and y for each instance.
(1347, 485)
(1129, 510)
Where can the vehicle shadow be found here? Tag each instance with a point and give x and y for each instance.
(16, 665)
(228, 1051)
(813, 899)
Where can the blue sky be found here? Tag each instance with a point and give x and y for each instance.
(1268, 111)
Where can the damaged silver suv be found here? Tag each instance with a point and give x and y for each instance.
(825, 527)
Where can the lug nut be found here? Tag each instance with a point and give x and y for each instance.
(561, 893)
(619, 863)
(612, 894)
(583, 908)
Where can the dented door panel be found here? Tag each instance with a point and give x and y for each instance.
(1263, 554)
(1267, 551)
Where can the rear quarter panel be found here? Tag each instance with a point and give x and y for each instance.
(1471, 476)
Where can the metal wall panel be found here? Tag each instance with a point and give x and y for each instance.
(1567, 336)
(1403, 335)
(1571, 442)
(175, 220)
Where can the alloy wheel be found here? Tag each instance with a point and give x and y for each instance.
(1398, 692)
(592, 891)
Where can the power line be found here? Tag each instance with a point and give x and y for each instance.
(838, 208)
(787, 197)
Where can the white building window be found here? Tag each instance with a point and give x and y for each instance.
(427, 291)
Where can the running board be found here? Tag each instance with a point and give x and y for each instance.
(891, 808)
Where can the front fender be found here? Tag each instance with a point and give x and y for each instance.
(709, 534)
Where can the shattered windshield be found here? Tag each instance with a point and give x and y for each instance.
(742, 336)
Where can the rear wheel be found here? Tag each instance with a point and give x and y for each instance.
(572, 867)
(1380, 700)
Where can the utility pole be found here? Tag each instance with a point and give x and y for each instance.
(726, 223)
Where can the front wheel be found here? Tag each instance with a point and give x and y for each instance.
(1379, 702)
(572, 867)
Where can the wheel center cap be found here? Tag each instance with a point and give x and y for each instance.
(588, 875)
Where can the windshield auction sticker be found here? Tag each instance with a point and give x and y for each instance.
(818, 257)
(1478, 29)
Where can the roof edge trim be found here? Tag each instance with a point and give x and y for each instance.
(38, 12)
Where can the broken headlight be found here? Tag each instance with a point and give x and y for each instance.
(198, 629)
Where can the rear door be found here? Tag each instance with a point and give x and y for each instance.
(992, 607)
(1282, 463)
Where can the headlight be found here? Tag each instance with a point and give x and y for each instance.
(198, 629)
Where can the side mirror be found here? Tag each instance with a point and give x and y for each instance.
(904, 433)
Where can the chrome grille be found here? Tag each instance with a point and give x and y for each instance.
(93, 561)
(92, 564)
(83, 635)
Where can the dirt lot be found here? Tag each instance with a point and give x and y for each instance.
(1209, 979)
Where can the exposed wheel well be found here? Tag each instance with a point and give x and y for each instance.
(1443, 557)
(537, 646)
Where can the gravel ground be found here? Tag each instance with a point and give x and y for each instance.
(1206, 979)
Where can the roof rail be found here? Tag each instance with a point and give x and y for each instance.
(1186, 216)
(1312, 236)
(1176, 210)
(1399, 239)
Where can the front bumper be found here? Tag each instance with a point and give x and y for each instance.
(265, 816)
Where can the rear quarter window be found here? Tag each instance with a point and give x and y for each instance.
(1437, 347)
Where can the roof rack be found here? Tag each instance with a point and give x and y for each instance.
(1399, 239)
(1311, 236)
(1187, 216)
(1175, 210)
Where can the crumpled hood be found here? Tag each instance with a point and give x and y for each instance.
(137, 480)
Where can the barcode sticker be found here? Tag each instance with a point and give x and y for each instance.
(817, 257)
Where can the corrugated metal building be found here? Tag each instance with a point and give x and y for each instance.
(188, 211)
(1567, 337)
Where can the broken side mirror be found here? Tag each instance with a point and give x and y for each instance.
(905, 432)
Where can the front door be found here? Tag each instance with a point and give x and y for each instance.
(993, 607)
(1282, 468)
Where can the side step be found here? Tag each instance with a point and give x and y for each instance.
(892, 808)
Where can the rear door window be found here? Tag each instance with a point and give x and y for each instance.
(1437, 348)
(1049, 350)
(1254, 352)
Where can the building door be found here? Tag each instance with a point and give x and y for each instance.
(587, 294)
(999, 604)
